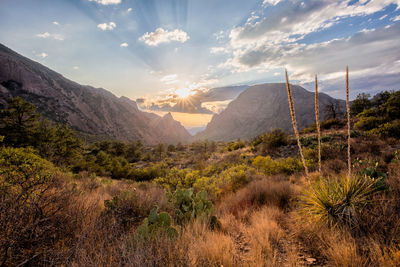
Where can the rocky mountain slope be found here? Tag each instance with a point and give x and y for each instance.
(261, 108)
(86, 109)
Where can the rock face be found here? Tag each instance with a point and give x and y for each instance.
(86, 109)
(261, 108)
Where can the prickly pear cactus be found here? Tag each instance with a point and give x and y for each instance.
(156, 225)
(190, 206)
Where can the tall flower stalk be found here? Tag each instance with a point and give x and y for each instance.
(293, 115)
(317, 123)
(348, 123)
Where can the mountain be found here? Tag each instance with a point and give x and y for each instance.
(261, 108)
(86, 109)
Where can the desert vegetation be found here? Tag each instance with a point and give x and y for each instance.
(64, 201)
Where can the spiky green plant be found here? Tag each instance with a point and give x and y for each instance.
(339, 201)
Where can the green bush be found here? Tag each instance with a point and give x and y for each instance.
(283, 165)
(389, 129)
(235, 146)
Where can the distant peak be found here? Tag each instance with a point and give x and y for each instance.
(168, 116)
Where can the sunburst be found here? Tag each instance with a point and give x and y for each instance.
(183, 92)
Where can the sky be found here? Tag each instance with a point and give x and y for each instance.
(161, 51)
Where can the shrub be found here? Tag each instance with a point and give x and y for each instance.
(235, 146)
(34, 214)
(265, 192)
(273, 140)
(271, 167)
(389, 129)
(339, 201)
(125, 210)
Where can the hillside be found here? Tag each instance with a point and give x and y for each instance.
(261, 108)
(86, 109)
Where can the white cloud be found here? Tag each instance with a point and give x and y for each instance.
(218, 50)
(42, 55)
(43, 35)
(129, 10)
(56, 23)
(170, 79)
(270, 2)
(302, 18)
(396, 18)
(46, 35)
(107, 2)
(124, 45)
(75, 67)
(107, 26)
(383, 17)
(164, 36)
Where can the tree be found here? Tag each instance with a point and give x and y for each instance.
(361, 103)
(160, 150)
(19, 122)
(332, 110)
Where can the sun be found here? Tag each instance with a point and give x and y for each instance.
(183, 92)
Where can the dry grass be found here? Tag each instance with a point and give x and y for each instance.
(208, 248)
(264, 192)
(265, 236)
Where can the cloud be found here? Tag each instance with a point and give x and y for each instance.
(164, 36)
(383, 17)
(56, 23)
(75, 67)
(43, 35)
(107, 2)
(270, 2)
(218, 50)
(42, 55)
(124, 45)
(54, 36)
(396, 18)
(107, 26)
(296, 19)
(170, 79)
(129, 10)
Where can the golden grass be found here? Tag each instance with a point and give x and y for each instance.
(265, 237)
(208, 248)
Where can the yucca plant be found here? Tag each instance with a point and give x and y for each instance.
(339, 201)
(317, 123)
(294, 123)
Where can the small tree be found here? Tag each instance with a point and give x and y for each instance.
(19, 122)
(333, 110)
(361, 103)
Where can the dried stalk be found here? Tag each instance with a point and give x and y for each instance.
(348, 123)
(317, 123)
(293, 115)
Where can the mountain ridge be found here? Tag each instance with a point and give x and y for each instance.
(262, 108)
(83, 107)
